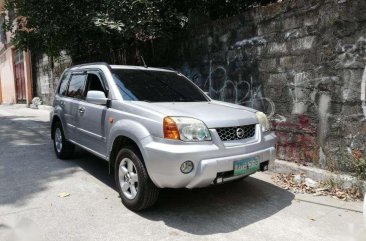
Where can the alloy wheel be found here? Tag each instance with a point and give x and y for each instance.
(58, 140)
(128, 178)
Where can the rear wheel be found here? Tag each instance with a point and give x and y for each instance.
(63, 148)
(134, 185)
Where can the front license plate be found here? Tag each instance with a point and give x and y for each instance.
(246, 166)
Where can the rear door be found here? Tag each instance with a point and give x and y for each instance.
(92, 118)
(74, 94)
(61, 101)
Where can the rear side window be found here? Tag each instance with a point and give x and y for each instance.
(76, 86)
(64, 81)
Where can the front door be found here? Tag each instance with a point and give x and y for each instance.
(19, 76)
(92, 118)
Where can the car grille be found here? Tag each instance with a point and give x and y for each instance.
(231, 133)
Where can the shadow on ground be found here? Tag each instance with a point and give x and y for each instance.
(27, 161)
(217, 209)
(93, 165)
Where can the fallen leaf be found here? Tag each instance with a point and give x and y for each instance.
(63, 194)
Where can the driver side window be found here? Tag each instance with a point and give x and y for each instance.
(94, 83)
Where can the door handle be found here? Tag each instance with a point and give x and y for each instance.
(81, 110)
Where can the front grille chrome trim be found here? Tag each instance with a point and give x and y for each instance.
(236, 133)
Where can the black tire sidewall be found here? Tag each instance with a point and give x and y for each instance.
(137, 202)
(67, 148)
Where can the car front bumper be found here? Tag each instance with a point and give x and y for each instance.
(163, 159)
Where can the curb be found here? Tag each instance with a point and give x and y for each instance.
(317, 174)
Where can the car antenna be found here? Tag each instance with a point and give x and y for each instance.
(143, 61)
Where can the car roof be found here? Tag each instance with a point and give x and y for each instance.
(140, 68)
(91, 65)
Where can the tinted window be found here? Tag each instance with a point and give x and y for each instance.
(156, 86)
(64, 81)
(76, 86)
(94, 83)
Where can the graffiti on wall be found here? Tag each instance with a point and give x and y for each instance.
(353, 56)
(242, 90)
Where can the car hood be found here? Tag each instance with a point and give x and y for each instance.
(214, 113)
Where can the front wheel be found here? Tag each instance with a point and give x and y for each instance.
(134, 185)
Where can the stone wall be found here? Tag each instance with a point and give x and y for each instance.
(45, 79)
(302, 62)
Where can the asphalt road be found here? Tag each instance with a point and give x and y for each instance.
(31, 177)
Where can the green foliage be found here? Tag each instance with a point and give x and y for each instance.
(90, 29)
(105, 30)
(360, 168)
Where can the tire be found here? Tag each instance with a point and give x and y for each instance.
(66, 149)
(134, 185)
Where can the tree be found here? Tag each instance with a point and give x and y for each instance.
(90, 30)
(106, 30)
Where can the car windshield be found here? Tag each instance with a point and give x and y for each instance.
(156, 86)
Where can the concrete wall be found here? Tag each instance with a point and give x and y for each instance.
(302, 62)
(7, 78)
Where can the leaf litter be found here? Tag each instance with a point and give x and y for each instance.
(295, 184)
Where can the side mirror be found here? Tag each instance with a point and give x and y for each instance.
(96, 97)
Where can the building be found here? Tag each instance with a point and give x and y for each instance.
(15, 67)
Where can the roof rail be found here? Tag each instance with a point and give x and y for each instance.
(168, 68)
(93, 63)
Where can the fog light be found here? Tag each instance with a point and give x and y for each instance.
(186, 167)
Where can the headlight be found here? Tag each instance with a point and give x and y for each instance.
(185, 129)
(263, 121)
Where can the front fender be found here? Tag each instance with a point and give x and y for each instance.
(128, 128)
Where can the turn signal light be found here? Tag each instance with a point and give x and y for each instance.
(170, 129)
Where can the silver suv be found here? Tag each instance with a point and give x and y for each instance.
(156, 129)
